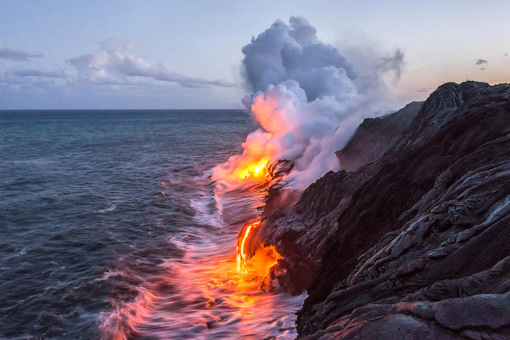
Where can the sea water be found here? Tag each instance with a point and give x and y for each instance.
(112, 229)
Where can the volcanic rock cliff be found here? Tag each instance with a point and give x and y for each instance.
(415, 244)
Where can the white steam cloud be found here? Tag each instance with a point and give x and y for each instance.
(294, 53)
(307, 97)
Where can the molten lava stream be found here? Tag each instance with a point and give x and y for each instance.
(250, 174)
(257, 262)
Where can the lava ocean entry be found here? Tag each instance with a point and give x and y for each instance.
(253, 258)
(148, 193)
(253, 168)
(307, 103)
(306, 99)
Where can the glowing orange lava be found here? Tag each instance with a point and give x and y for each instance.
(241, 252)
(256, 170)
(252, 166)
(259, 261)
(261, 149)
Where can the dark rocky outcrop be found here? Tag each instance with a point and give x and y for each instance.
(277, 197)
(414, 244)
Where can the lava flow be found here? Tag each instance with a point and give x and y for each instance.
(241, 253)
(261, 148)
(252, 257)
(253, 169)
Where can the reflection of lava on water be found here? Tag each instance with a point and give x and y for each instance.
(206, 292)
(219, 288)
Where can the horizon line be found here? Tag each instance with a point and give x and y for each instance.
(240, 109)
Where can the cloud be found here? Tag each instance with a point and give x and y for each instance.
(33, 77)
(16, 55)
(116, 78)
(40, 73)
(113, 65)
(481, 62)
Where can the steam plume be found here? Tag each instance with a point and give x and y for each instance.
(307, 100)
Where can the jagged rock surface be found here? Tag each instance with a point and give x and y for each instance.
(414, 245)
(309, 224)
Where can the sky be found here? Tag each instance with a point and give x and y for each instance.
(67, 54)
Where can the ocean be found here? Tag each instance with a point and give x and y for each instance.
(111, 229)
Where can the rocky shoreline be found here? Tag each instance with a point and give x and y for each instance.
(413, 241)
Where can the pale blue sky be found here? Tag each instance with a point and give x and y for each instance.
(194, 47)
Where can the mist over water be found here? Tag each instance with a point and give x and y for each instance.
(111, 228)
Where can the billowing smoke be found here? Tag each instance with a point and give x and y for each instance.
(307, 100)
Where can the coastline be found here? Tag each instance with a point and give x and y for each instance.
(414, 241)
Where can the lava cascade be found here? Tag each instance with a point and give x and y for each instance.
(254, 258)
